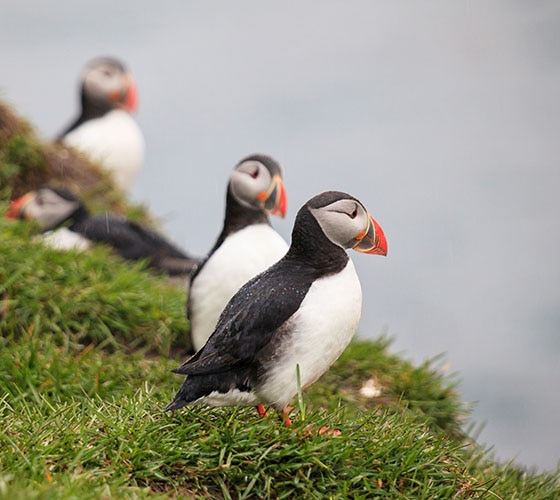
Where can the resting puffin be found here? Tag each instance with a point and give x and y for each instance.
(246, 246)
(105, 129)
(303, 311)
(67, 224)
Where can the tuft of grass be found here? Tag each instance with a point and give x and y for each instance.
(425, 390)
(85, 297)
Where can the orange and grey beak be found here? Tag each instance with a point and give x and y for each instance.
(16, 210)
(274, 200)
(129, 99)
(372, 240)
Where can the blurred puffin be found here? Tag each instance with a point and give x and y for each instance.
(67, 224)
(246, 246)
(301, 312)
(105, 130)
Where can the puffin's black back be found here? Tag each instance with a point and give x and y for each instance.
(133, 241)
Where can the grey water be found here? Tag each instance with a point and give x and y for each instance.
(442, 118)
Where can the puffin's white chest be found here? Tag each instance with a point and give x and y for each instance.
(318, 333)
(115, 141)
(241, 256)
(64, 239)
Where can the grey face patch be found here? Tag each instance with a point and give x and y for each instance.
(342, 221)
(248, 180)
(103, 79)
(49, 209)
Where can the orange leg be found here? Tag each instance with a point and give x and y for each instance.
(288, 421)
(262, 411)
(286, 416)
(329, 432)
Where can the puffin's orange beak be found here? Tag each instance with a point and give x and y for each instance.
(16, 210)
(275, 200)
(372, 240)
(129, 99)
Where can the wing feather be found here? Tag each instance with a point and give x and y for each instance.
(249, 321)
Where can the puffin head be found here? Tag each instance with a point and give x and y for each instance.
(256, 182)
(346, 222)
(48, 206)
(107, 82)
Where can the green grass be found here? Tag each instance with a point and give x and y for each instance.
(129, 443)
(86, 347)
(96, 432)
(99, 299)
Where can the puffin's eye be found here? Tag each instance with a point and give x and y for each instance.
(353, 214)
(255, 173)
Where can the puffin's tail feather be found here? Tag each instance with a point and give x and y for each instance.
(197, 387)
(176, 404)
(176, 266)
(184, 396)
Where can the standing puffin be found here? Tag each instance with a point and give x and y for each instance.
(246, 246)
(105, 129)
(67, 224)
(301, 312)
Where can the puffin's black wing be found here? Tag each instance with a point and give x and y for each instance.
(131, 240)
(155, 241)
(75, 124)
(251, 318)
(113, 231)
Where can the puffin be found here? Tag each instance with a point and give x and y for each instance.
(67, 224)
(293, 320)
(105, 130)
(246, 245)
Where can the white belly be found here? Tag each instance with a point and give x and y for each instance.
(114, 141)
(64, 239)
(322, 328)
(234, 397)
(241, 256)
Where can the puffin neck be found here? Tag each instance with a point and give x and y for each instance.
(239, 216)
(76, 217)
(312, 248)
(94, 108)
(91, 109)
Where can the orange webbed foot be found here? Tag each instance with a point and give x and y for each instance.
(262, 411)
